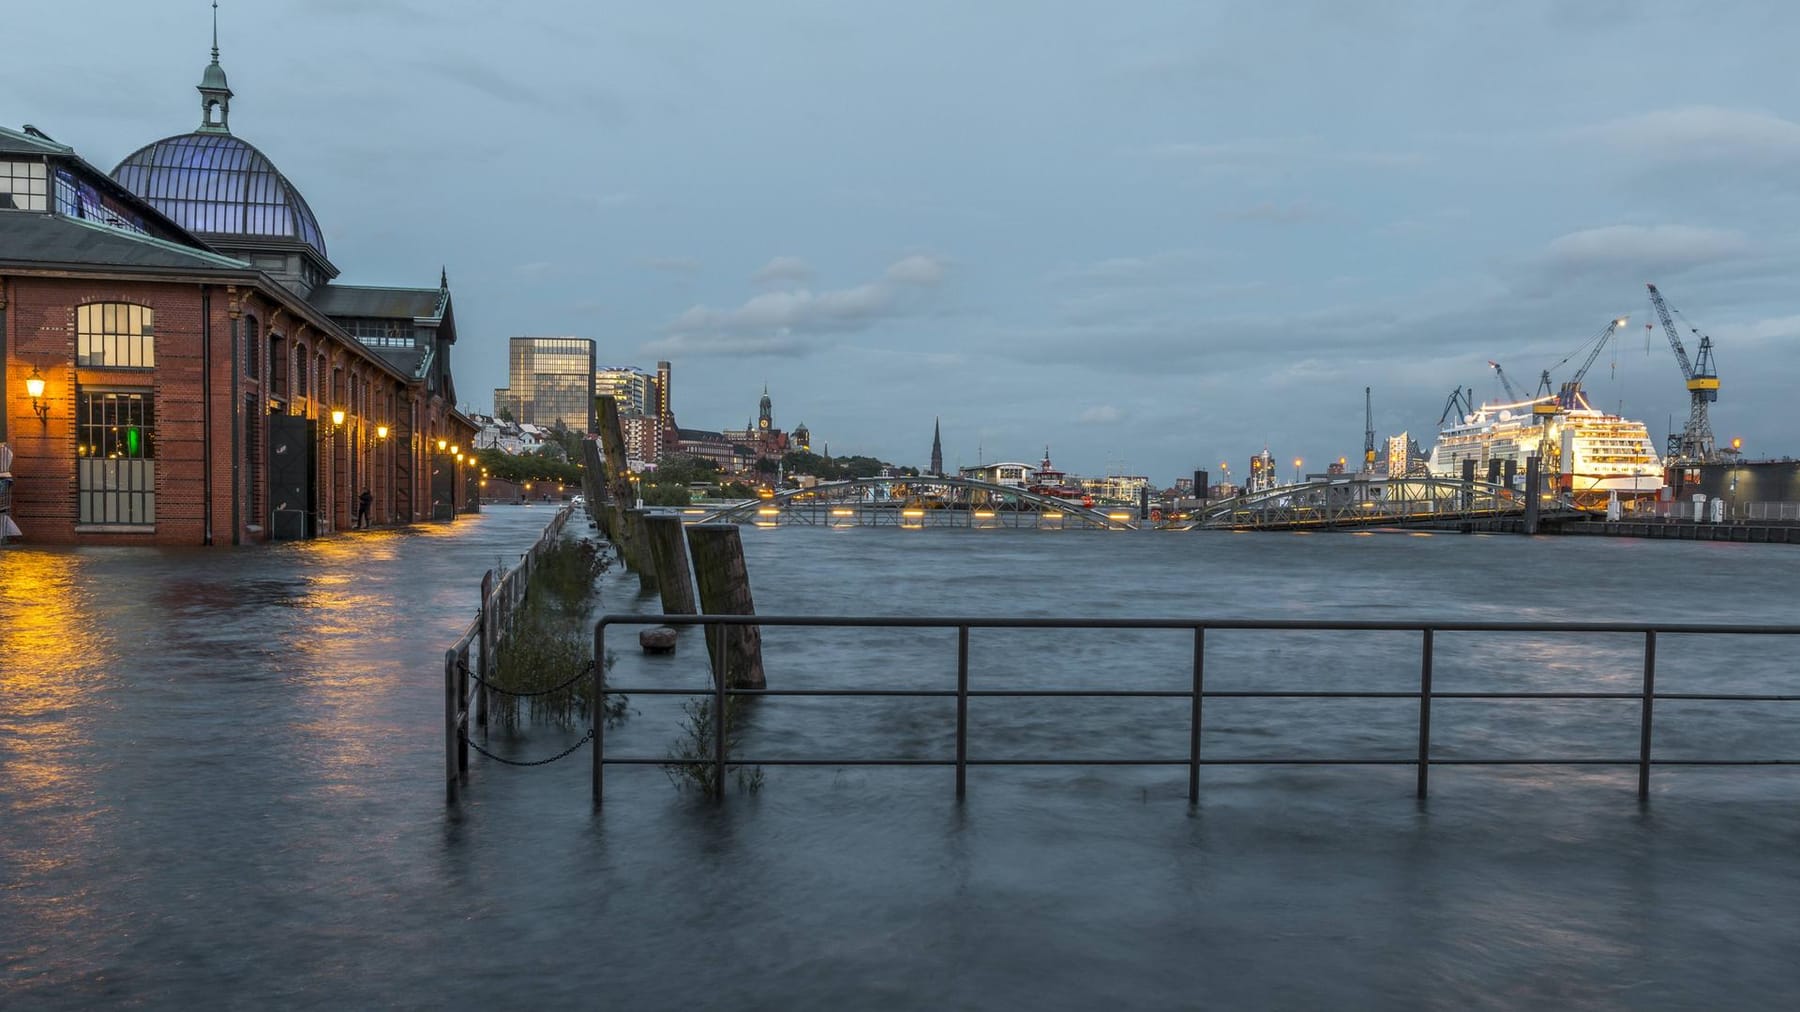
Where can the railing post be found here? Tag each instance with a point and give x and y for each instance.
(962, 709)
(489, 648)
(450, 772)
(1644, 730)
(462, 701)
(719, 725)
(1425, 714)
(1194, 721)
(599, 712)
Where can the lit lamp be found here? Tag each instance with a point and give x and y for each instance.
(442, 444)
(34, 385)
(454, 449)
(337, 417)
(380, 432)
(1296, 470)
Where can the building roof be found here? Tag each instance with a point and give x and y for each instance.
(30, 141)
(380, 303)
(47, 239)
(216, 184)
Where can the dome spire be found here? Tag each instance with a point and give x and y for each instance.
(215, 93)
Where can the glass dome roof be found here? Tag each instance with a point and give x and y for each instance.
(216, 183)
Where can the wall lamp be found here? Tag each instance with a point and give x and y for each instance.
(443, 444)
(337, 416)
(34, 385)
(381, 432)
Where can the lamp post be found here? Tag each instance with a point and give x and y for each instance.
(1296, 470)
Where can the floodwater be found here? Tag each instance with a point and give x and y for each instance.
(221, 785)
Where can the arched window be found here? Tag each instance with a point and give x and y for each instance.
(115, 335)
(278, 365)
(301, 366)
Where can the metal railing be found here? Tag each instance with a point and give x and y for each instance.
(470, 661)
(1196, 692)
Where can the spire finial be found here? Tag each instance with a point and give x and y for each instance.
(443, 276)
(215, 94)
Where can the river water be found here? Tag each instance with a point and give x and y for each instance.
(221, 786)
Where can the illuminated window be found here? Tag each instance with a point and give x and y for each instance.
(115, 335)
(115, 433)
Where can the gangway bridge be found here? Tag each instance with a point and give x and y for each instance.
(1326, 502)
(927, 501)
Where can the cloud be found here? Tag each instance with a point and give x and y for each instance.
(1262, 152)
(1152, 270)
(917, 270)
(1696, 133)
(670, 265)
(1772, 330)
(1637, 251)
(1274, 213)
(783, 270)
(797, 320)
(1100, 415)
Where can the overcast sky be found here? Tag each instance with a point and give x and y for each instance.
(1154, 236)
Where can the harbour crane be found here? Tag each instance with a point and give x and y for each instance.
(1693, 444)
(1460, 405)
(1569, 397)
(1368, 432)
(1511, 391)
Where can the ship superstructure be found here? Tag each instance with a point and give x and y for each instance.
(1582, 449)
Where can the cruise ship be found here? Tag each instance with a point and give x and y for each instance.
(1587, 451)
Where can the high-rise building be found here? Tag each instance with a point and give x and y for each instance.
(551, 379)
(664, 403)
(1262, 472)
(631, 389)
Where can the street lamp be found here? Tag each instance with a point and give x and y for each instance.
(1296, 470)
(381, 432)
(443, 444)
(34, 385)
(337, 417)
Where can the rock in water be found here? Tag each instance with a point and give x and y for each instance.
(660, 640)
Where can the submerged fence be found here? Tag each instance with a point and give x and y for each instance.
(1195, 692)
(469, 663)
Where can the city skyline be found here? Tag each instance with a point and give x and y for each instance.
(1154, 242)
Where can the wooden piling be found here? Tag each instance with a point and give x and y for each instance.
(593, 484)
(724, 589)
(636, 547)
(1532, 479)
(669, 554)
(616, 477)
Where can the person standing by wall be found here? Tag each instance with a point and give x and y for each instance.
(362, 508)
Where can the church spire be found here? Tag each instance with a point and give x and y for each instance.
(215, 93)
(937, 449)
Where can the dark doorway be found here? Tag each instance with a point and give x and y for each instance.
(292, 465)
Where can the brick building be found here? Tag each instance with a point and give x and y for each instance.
(181, 366)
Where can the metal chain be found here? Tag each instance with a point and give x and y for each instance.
(586, 670)
(539, 762)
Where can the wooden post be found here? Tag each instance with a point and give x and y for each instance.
(638, 555)
(668, 553)
(1531, 495)
(618, 469)
(593, 484)
(724, 589)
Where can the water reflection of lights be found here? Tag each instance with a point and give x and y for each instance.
(56, 663)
